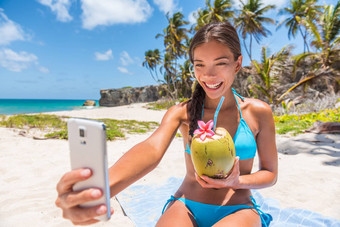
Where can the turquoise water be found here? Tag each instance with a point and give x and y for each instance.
(20, 106)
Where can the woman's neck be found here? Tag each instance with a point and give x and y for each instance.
(228, 102)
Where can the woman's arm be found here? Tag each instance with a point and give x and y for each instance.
(266, 147)
(145, 156)
(137, 162)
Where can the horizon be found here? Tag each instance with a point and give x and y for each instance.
(72, 49)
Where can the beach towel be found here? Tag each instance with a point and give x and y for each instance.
(144, 204)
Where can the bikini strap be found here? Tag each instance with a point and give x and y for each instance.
(235, 94)
(265, 218)
(217, 110)
(172, 198)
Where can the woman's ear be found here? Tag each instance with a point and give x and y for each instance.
(238, 63)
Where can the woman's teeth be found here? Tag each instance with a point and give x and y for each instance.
(213, 86)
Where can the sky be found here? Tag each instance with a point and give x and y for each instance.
(71, 49)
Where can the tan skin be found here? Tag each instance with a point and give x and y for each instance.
(214, 64)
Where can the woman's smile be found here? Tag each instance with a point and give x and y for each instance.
(213, 85)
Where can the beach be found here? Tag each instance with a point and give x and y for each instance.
(309, 170)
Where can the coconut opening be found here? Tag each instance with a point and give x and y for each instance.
(219, 133)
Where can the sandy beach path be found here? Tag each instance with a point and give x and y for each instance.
(134, 111)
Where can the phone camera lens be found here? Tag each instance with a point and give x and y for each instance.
(81, 132)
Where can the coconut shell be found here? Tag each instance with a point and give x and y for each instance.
(213, 157)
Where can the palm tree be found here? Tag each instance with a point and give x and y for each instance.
(186, 78)
(175, 37)
(175, 34)
(169, 72)
(326, 41)
(298, 11)
(326, 36)
(250, 21)
(218, 12)
(266, 67)
(152, 59)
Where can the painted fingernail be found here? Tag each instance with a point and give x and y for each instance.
(101, 210)
(95, 193)
(85, 173)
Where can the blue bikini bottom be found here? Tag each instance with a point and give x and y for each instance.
(206, 215)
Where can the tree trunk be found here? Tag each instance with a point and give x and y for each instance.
(245, 46)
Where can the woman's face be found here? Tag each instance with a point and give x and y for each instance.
(215, 68)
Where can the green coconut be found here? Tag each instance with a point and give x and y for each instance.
(214, 156)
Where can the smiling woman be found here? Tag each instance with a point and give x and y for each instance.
(200, 200)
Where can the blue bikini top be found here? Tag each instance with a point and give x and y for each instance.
(244, 141)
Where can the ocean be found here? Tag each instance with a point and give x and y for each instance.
(21, 106)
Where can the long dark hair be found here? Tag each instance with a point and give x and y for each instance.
(224, 33)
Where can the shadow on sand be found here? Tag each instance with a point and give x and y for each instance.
(314, 144)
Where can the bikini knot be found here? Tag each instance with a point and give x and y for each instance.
(167, 202)
(256, 206)
(265, 218)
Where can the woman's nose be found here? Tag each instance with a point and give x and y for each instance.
(210, 71)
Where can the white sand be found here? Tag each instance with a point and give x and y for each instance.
(30, 169)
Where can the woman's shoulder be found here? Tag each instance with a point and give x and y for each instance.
(258, 107)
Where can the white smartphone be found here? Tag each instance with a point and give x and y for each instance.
(87, 142)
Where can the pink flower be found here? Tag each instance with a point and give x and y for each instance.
(205, 129)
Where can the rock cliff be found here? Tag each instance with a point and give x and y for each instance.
(89, 103)
(282, 79)
(125, 96)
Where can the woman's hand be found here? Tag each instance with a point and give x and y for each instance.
(231, 181)
(69, 200)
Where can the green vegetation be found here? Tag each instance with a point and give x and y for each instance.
(318, 25)
(264, 68)
(164, 104)
(57, 135)
(114, 128)
(39, 121)
(296, 124)
(117, 128)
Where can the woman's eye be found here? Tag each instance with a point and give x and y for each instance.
(198, 65)
(222, 63)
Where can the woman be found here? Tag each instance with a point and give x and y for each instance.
(200, 201)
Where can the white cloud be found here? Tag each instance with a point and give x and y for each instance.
(9, 30)
(192, 17)
(108, 12)
(103, 56)
(277, 3)
(16, 62)
(124, 70)
(43, 69)
(125, 58)
(166, 5)
(59, 7)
